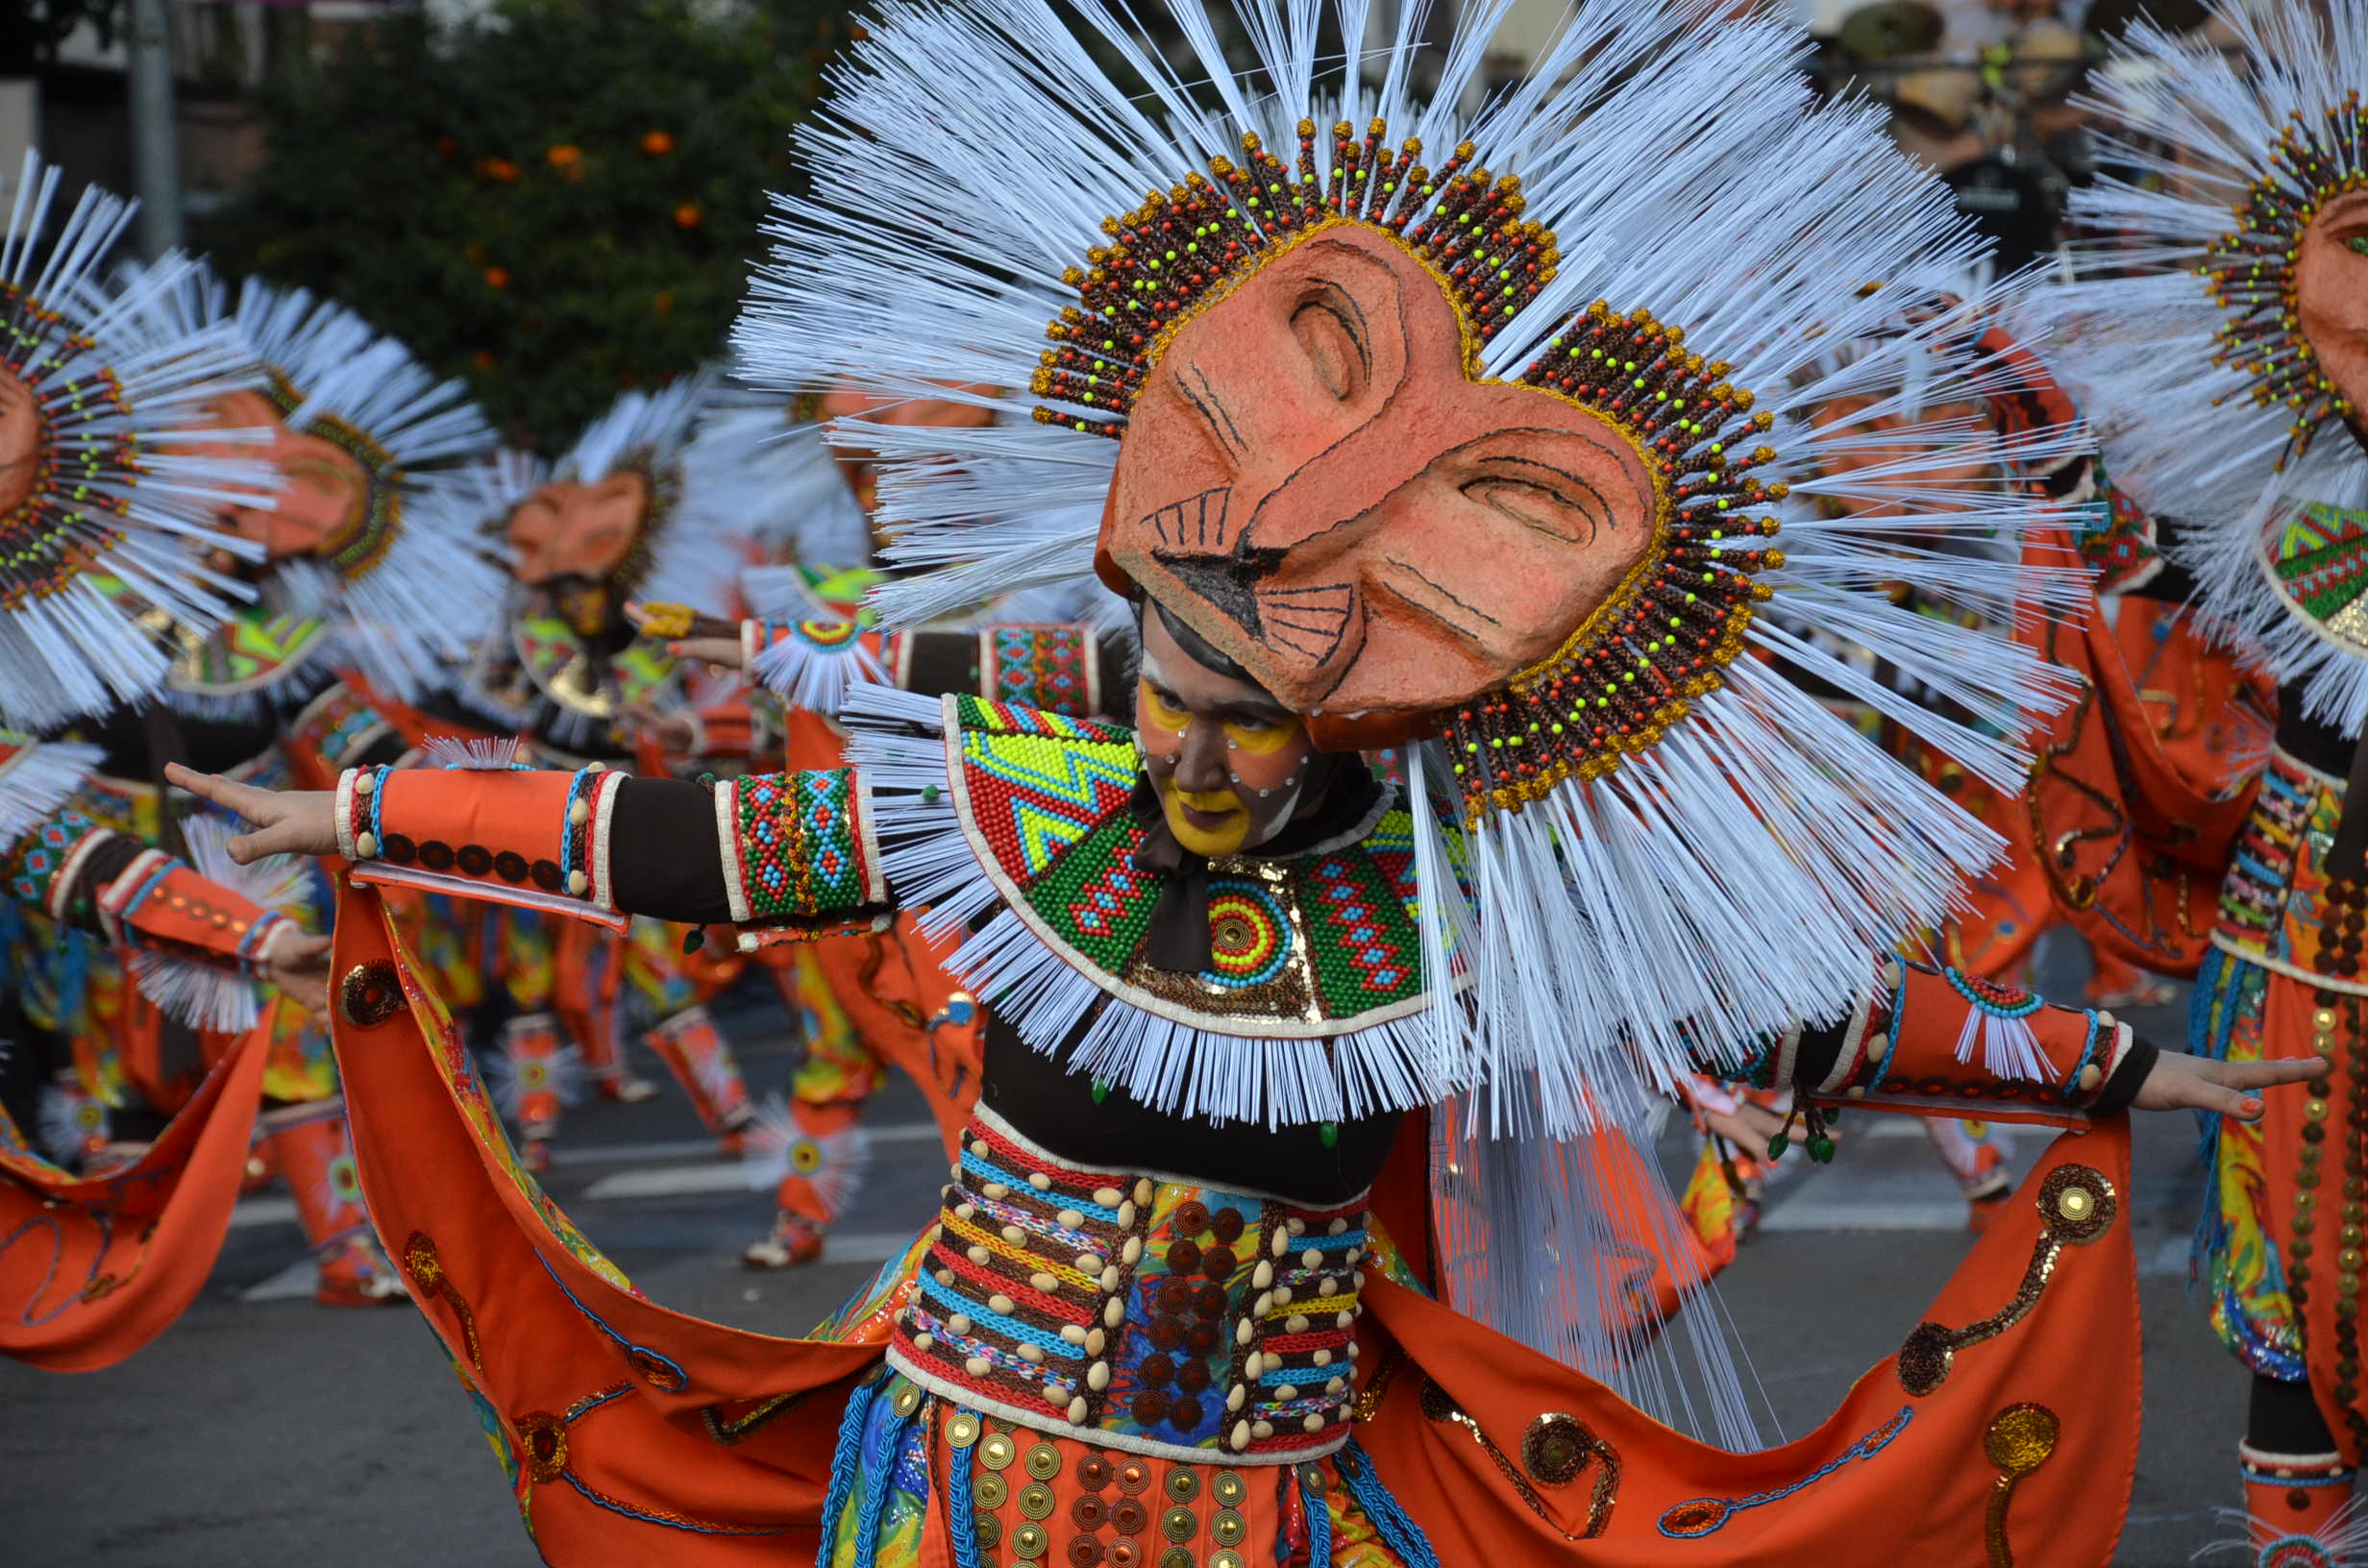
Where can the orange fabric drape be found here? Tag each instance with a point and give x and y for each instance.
(637, 1434)
(92, 1270)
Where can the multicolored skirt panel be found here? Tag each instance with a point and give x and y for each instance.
(914, 1468)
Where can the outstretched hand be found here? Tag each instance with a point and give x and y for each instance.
(2179, 1082)
(298, 967)
(286, 822)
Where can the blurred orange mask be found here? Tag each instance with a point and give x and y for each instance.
(21, 443)
(574, 540)
(2331, 300)
(327, 505)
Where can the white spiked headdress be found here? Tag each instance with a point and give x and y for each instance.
(1726, 857)
(104, 525)
(2184, 346)
(407, 586)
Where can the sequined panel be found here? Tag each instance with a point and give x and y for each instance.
(1156, 1317)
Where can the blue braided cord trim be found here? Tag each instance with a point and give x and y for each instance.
(988, 1171)
(1865, 1448)
(962, 1506)
(2088, 1047)
(1325, 1243)
(880, 1480)
(1011, 1213)
(567, 822)
(935, 1325)
(1890, 1042)
(1319, 1522)
(378, 794)
(1303, 1376)
(2203, 1039)
(1049, 1342)
(1402, 1534)
(843, 1460)
(2254, 865)
(594, 1319)
(630, 1512)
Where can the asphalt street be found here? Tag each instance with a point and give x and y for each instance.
(263, 1430)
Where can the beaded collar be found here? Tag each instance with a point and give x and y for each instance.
(1314, 974)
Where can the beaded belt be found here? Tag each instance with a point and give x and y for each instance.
(2274, 900)
(1156, 1316)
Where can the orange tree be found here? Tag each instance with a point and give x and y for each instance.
(554, 201)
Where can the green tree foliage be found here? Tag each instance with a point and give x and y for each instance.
(557, 202)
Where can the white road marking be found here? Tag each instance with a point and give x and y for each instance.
(669, 1182)
(1807, 1213)
(264, 1212)
(298, 1279)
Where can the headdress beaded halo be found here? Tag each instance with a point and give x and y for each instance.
(2186, 337)
(1660, 231)
(105, 512)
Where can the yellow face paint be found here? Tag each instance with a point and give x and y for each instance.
(1262, 740)
(1152, 711)
(1222, 839)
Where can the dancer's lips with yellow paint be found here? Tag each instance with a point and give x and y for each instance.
(1207, 823)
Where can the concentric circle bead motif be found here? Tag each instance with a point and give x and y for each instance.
(1250, 935)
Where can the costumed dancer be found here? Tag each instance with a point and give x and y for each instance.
(2222, 349)
(627, 512)
(1271, 1239)
(105, 489)
(369, 585)
(868, 1001)
(2204, 740)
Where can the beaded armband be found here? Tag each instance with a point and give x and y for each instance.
(532, 839)
(1051, 668)
(1946, 1042)
(797, 845)
(158, 904)
(44, 866)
